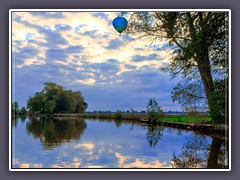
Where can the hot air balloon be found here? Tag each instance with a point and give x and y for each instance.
(120, 24)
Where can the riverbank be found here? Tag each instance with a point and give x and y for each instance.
(200, 125)
(138, 117)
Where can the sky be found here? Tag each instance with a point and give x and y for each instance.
(82, 51)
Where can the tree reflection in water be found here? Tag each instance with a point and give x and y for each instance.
(197, 152)
(154, 134)
(53, 132)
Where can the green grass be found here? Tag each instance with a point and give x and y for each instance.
(42, 115)
(185, 119)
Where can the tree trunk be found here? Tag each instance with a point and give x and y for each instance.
(206, 76)
(200, 44)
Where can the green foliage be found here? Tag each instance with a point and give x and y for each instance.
(153, 110)
(55, 99)
(17, 111)
(219, 96)
(118, 114)
(23, 111)
(179, 119)
(15, 108)
(199, 42)
(186, 119)
(219, 99)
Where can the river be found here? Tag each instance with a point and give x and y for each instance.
(42, 143)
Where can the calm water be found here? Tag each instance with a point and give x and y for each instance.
(87, 143)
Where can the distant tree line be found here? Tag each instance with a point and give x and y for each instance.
(55, 99)
(17, 111)
(153, 110)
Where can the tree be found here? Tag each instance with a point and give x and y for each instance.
(153, 110)
(54, 99)
(118, 114)
(80, 104)
(62, 103)
(23, 111)
(15, 108)
(50, 106)
(50, 90)
(36, 103)
(190, 95)
(200, 42)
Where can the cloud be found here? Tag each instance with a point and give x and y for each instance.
(82, 50)
(90, 33)
(48, 15)
(62, 53)
(114, 44)
(53, 38)
(27, 52)
(100, 15)
(124, 162)
(85, 146)
(18, 164)
(62, 27)
(56, 54)
(113, 61)
(129, 66)
(86, 81)
(76, 163)
(140, 58)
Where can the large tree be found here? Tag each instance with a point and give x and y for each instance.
(200, 47)
(54, 99)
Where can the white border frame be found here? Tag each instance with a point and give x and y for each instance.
(111, 10)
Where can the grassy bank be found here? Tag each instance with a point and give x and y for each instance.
(131, 116)
(185, 119)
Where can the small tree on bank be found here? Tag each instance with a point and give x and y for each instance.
(118, 114)
(153, 110)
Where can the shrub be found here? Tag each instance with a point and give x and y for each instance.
(118, 114)
(153, 110)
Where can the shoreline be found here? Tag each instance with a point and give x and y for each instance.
(214, 130)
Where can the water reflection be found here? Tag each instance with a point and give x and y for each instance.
(197, 152)
(111, 144)
(154, 134)
(118, 122)
(218, 154)
(15, 120)
(53, 132)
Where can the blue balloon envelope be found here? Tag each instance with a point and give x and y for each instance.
(120, 24)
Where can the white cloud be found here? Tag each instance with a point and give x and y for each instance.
(123, 162)
(86, 146)
(86, 81)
